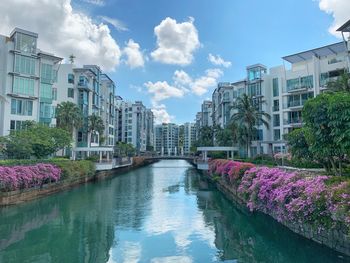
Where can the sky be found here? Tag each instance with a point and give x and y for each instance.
(172, 54)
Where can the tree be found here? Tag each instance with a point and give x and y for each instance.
(298, 144)
(224, 137)
(341, 84)
(124, 149)
(206, 136)
(247, 117)
(68, 116)
(35, 140)
(95, 125)
(327, 118)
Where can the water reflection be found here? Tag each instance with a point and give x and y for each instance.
(154, 214)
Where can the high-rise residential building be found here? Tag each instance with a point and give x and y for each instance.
(189, 137)
(281, 92)
(198, 122)
(149, 130)
(135, 124)
(27, 75)
(206, 113)
(167, 139)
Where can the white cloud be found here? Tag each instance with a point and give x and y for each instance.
(95, 2)
(200, 85)
(161, 115)
(120, 26)
(62, 31)
(339, 9)
(161, 90)
(176, 42)
(134, 55)
(218, 61)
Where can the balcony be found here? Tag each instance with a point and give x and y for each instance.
(84, 85)
(293, 122)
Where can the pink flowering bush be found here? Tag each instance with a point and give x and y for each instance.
(20, 177)
(291, 197)
(229, 169)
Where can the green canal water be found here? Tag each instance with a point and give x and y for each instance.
(165, 212)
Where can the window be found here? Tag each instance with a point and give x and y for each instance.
(21, 107)
(16, 125)
(276, 105)
(276, 120)
(45, 110)
(24, 86)
(276, 135)
(46, 73)
(24, 65)
(300, 83)
(25, 43)
(70, 93)
(54, 93)
(275, 89)
(53, 112)
(70, 78)
(46, 91)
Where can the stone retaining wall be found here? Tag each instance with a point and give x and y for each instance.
(337, 239)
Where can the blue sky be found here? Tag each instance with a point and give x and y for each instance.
(240, 32)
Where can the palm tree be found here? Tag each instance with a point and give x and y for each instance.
(247, 117)
(68, 116)
(95, 125)
(341, 84)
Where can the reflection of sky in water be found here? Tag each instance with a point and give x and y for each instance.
(174, 227)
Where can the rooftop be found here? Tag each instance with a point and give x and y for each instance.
(345, 27)
(318, 52)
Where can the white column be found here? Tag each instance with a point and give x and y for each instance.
(100, 156)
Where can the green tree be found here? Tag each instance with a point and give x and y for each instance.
(95, 125)
(341, 84)
(68, 116)
(36, 140)
(298, 144)
(223, 137)
(123, 149)
(206, 136)
(247, 117)
(327, 118)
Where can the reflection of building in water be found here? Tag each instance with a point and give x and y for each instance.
(247, 237)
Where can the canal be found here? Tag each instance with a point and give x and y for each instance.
(165, 212)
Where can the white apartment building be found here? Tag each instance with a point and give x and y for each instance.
(134, 120)
(189, 137)
(167, 139)
(27, 75)
(206, 113)
(281, 92)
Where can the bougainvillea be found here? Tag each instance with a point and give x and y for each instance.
(288, 197)
(20, 177)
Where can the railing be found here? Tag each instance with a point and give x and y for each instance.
(293, 121)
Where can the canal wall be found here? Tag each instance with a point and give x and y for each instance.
(337, 238)
(24, 195)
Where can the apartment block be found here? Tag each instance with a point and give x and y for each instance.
(167, 139)
(27, 75)
(189, 137)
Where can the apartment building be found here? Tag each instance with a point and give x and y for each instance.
(281, 92)
(135, 124)
(167, 139)
(189, 137)
(206, 113)
(27, 75)
(149, 130)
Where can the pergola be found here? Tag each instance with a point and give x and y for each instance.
(207, 149)
(100, 150)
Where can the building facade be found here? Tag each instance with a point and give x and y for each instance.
(189, 137)
(167, 139)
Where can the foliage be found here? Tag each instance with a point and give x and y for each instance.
(223, 137)
(95, 124)
(20, 177)
(322, 201)
(246, 117)
(327, 120)
(206, 135)
(35, 140)
(123, 149)
(68, 116)
(70, 170)
(298, 145)
(341, 84)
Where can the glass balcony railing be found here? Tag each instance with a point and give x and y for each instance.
(292, 121)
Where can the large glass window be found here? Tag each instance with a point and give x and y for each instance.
(276, 135)
(46, 91)
(21, 107)
(25, 43)
(16, 125)
(276, 120)
(70, 93)
(54, 93)
(46, 73)
(45, 110)
(24, 86)
(275, 89)
(254, 89)
(24, 65)
(300, 83)
(71, 78)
